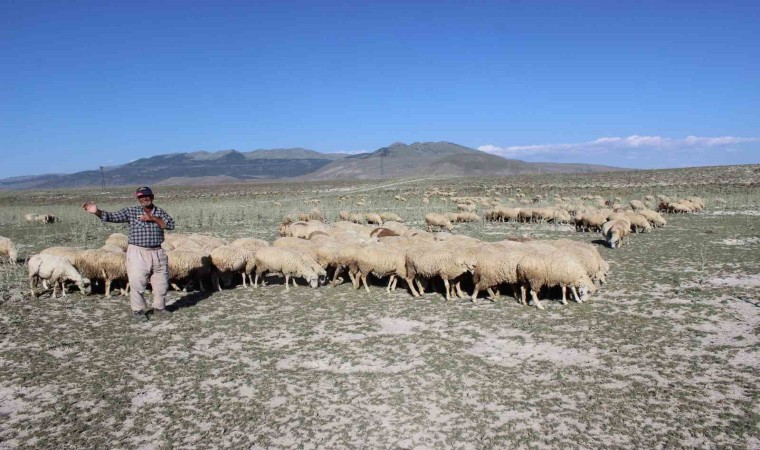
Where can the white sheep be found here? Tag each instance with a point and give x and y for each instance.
(8, 250)
(496, 265)
(229, 260)
(639, 223)
(70, 253)
(373, 218)
(430, 260)
(381, 261)
(548, 268)
(587, 254)
(103, 265)
(654, 218)
(437, 220)
(290, 263)
(391, 216)
(119, 240)
(55, 269)
(188, 266)
(615, 232)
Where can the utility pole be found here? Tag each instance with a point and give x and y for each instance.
(102, 180)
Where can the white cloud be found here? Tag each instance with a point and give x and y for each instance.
(606, 144)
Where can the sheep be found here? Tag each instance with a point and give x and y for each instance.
(373, 218)
(437, 220)
(119, 240)
(29, 217)
(199, 241)
(344, 215)
(8, 249)
(290, 263)
(428, 261)
(496, 265)
(303, 229)
(102, 264)
(56, 270)
(382, 261)
(654, 218)
(467, 207)
(229, 260)
(616, 232)
(589, 222)
(637, 205)
(112, 248)
(465, 217)
(188, 265)
(548, 268)
(596, 267)
(396, 227)
(639, 223)
(70, 253)
(252, 244)
(390, 216)
(46, 218)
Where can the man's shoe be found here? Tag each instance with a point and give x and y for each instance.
(161, 312)
(139, 316)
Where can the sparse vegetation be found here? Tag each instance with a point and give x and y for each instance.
(665, 355)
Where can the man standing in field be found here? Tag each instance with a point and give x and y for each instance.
(146, 260)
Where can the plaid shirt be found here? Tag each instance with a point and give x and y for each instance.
(142, 234)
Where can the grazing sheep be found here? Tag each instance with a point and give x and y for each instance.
(373, 218)
(290, 263)
(616, 232)
(381, 261)
(303, 229)
(119, 240)
(390, 216)
(46, 218)
(344, 215)
(596, 267)
(548, 268)
(252, 244)
(437, 220)
(637, 205)
(654, 218)
(428, 261)
(230, 260)
(465, 217)
(8, 249)
(496, 265)
(639, 223)
(188, 266)
(29, 217)
(55, 269)
(69, 253)
(396, 227)
(102, 265)
(589, 222)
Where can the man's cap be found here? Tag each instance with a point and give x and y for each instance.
(143, 191)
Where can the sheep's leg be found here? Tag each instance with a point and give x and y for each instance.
(294, 281)
(215, 281)
(33, 285)
(410, 283)
(534, 296)
(244, 285)
(395, 281)
(564, 294)
(287, 281)
(420, 287)
(459, 289)
(475, 291)
(494, 294)
(575, 294)
(175, 287)
(447, 286)
(335, 275)
(390, 283)
(55, 289)
(522, 294)
(256, 280)
(364, 281)
(108, 287)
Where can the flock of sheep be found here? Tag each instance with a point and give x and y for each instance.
(382, 245)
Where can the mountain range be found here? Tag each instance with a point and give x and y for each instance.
(398, 160)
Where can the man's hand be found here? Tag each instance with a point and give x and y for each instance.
(148, 217)
(91, 208)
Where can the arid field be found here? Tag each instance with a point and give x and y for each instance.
(665, 355)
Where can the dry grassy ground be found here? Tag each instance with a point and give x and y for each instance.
(664, 356)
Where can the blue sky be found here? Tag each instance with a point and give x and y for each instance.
(633, 84)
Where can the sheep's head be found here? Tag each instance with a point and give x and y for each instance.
(85, 286)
